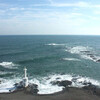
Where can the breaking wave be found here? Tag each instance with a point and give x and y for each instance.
(8, 65)
(7, 85)
(54, 44)
(79, 49)
(71, 59)
(45, 85)
(4, 73)
(84, 52)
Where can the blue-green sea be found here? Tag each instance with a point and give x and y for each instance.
(48, 58)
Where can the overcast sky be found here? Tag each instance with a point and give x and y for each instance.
(81, 17)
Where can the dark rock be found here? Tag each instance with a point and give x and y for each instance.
(85, 51)
(0, 81)
(57, 78)
(19, 85)
(98, 60)
(48, 78)
(97, 91)
(90, 87)
(74, 79)
(32, 88)
(90, 54)
(84, 83)
(61, 83)
(87, 83)
(16, 84)
(82, 51)
(65, 83)
(55, 82)
(94, 58)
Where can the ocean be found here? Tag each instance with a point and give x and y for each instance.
(49, 58)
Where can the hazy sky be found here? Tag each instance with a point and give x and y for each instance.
(50, 17)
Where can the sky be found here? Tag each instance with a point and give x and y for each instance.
(50, 17)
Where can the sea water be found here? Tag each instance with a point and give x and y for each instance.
(49, 58)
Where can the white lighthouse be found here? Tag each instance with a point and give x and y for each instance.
(25, 79)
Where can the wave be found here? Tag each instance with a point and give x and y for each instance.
(7, 85)
(5, 73)
(79, 49)
(8, 65)
(54, 44)
(37, 59)
(45, 85)
(84, 52)
(13, 53)
(71, 59)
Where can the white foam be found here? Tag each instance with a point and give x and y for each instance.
(78, 49)
(86, 57)
(8, 65)
(3, 73)
(83, 52)
(55, 44)
(80, 80)
(71, 59)
(97, 58)
(7, 85)
(45, 85)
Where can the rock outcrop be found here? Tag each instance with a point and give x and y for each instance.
(32, 88)
(98, 60)
(92, 89)
(61, 83)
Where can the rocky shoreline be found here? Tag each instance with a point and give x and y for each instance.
(69, 93)
(87, 92)
(33, 88)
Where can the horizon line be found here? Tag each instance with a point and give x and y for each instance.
(50, 34)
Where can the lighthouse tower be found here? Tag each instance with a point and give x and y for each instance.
(25, 79)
